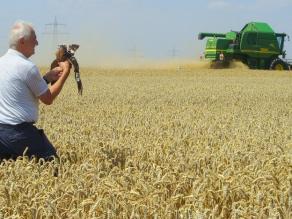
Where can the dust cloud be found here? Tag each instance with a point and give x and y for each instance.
(174, 64)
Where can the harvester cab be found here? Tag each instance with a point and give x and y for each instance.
(256, 45)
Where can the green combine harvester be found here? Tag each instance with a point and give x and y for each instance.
(256, 45)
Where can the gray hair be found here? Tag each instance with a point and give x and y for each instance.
(20, 29)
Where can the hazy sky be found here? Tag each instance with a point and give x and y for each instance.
(118, 30)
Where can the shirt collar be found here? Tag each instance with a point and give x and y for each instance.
(15, 52)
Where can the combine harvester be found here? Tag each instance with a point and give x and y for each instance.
(256, 45)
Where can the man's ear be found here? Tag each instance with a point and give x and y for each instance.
(21, 40)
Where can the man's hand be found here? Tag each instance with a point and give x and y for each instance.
(65, 66)
(53, 75)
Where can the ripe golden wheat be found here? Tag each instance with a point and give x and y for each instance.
(173, 143)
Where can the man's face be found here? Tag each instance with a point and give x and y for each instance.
(30, 44)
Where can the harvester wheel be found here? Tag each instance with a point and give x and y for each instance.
(220, 64)
(279, 64)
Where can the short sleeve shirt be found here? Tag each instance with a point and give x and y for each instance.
(20, 86)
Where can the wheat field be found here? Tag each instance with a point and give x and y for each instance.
(161, 143)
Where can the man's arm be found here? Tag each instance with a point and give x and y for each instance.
(49, 96)
(53, 75)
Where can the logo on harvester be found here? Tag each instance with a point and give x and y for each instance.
(264, 49)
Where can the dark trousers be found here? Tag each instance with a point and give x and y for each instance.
(24, 137)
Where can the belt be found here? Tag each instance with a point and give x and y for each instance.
(23, 124)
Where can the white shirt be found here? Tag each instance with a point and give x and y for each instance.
(20, 86)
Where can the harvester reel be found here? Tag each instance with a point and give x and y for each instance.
(279, 64)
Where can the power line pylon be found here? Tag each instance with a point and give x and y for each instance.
(135, 53)
(55, 31)
(173, 52)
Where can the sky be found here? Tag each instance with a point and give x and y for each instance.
(117, 31)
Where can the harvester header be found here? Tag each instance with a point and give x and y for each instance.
(256, 45)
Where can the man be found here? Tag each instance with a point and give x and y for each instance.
(20, 91)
